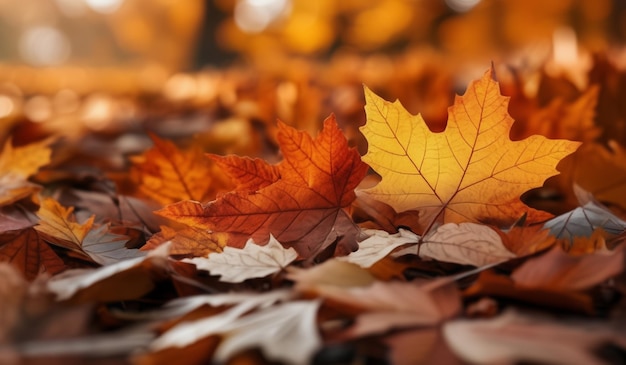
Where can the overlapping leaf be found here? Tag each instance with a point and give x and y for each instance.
(86, 240)
(17, 164)
(252, 261)
(471, 172)
(27, 251)
(168, 175)
(304, 208)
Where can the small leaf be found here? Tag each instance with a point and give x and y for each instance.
(464, 243)
(378, 245)
(86, 240)
(29, 253)
(17, 164)
(252, 261)
(285, 332)
(168, 175)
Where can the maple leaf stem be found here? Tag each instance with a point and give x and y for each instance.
(429, 227)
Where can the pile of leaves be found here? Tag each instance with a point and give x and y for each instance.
(423, 249)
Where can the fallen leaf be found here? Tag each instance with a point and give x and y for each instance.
(13, 290)
(383, 306)
(285, 332)
(464, 243)
(181, 306)
(187, 240)
(515, 337)
(378, 245)
(562, 119)
(330, 272)
(168, 175)
(584, 221)
(17, 164)
(558, 270)
(422, 346)
(491, 285)
(526, 240)
(304, 209)
(86, 240)
(124, 280)
(470, 172)
(252, 261)
(29, 253)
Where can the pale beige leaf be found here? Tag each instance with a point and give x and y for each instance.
(464, 243)
(252, 261)
(378, 245)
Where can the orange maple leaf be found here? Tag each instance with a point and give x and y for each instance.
(17, 164)
(168, 175)
(470, 172)
(303, 208)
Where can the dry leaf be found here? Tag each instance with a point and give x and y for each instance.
(597, 169)
(378, 245)
(87, 241)
(252, 261)
(330, 272)
(585, 220)
(423, 346)
(184, 241)
(304, 209)
(168, 175)
(285, 332)
(470, 172)
(464, 243)
(124, 280)
(28, 252)
(557, 270)
(17, 164)
(383, 306)
(515, 337)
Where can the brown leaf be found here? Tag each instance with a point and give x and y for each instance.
(561, 271)
(303, 209)
(29, 253)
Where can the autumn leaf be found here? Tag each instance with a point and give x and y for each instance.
(86, 240)
(168, 175)
(252, 261)
(303, 209)
(470, 172)
(187, 241)
(293, 327)
(29, 253)
(378, 245)
(464, 243)
(520, 337)
(123, 280)
(17, 164)
(598, 169)
(585, 220)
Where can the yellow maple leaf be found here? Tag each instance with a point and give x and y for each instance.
(17, 164)
(470, 172)
(59, 222)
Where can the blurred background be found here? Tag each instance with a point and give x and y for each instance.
(110, 66)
